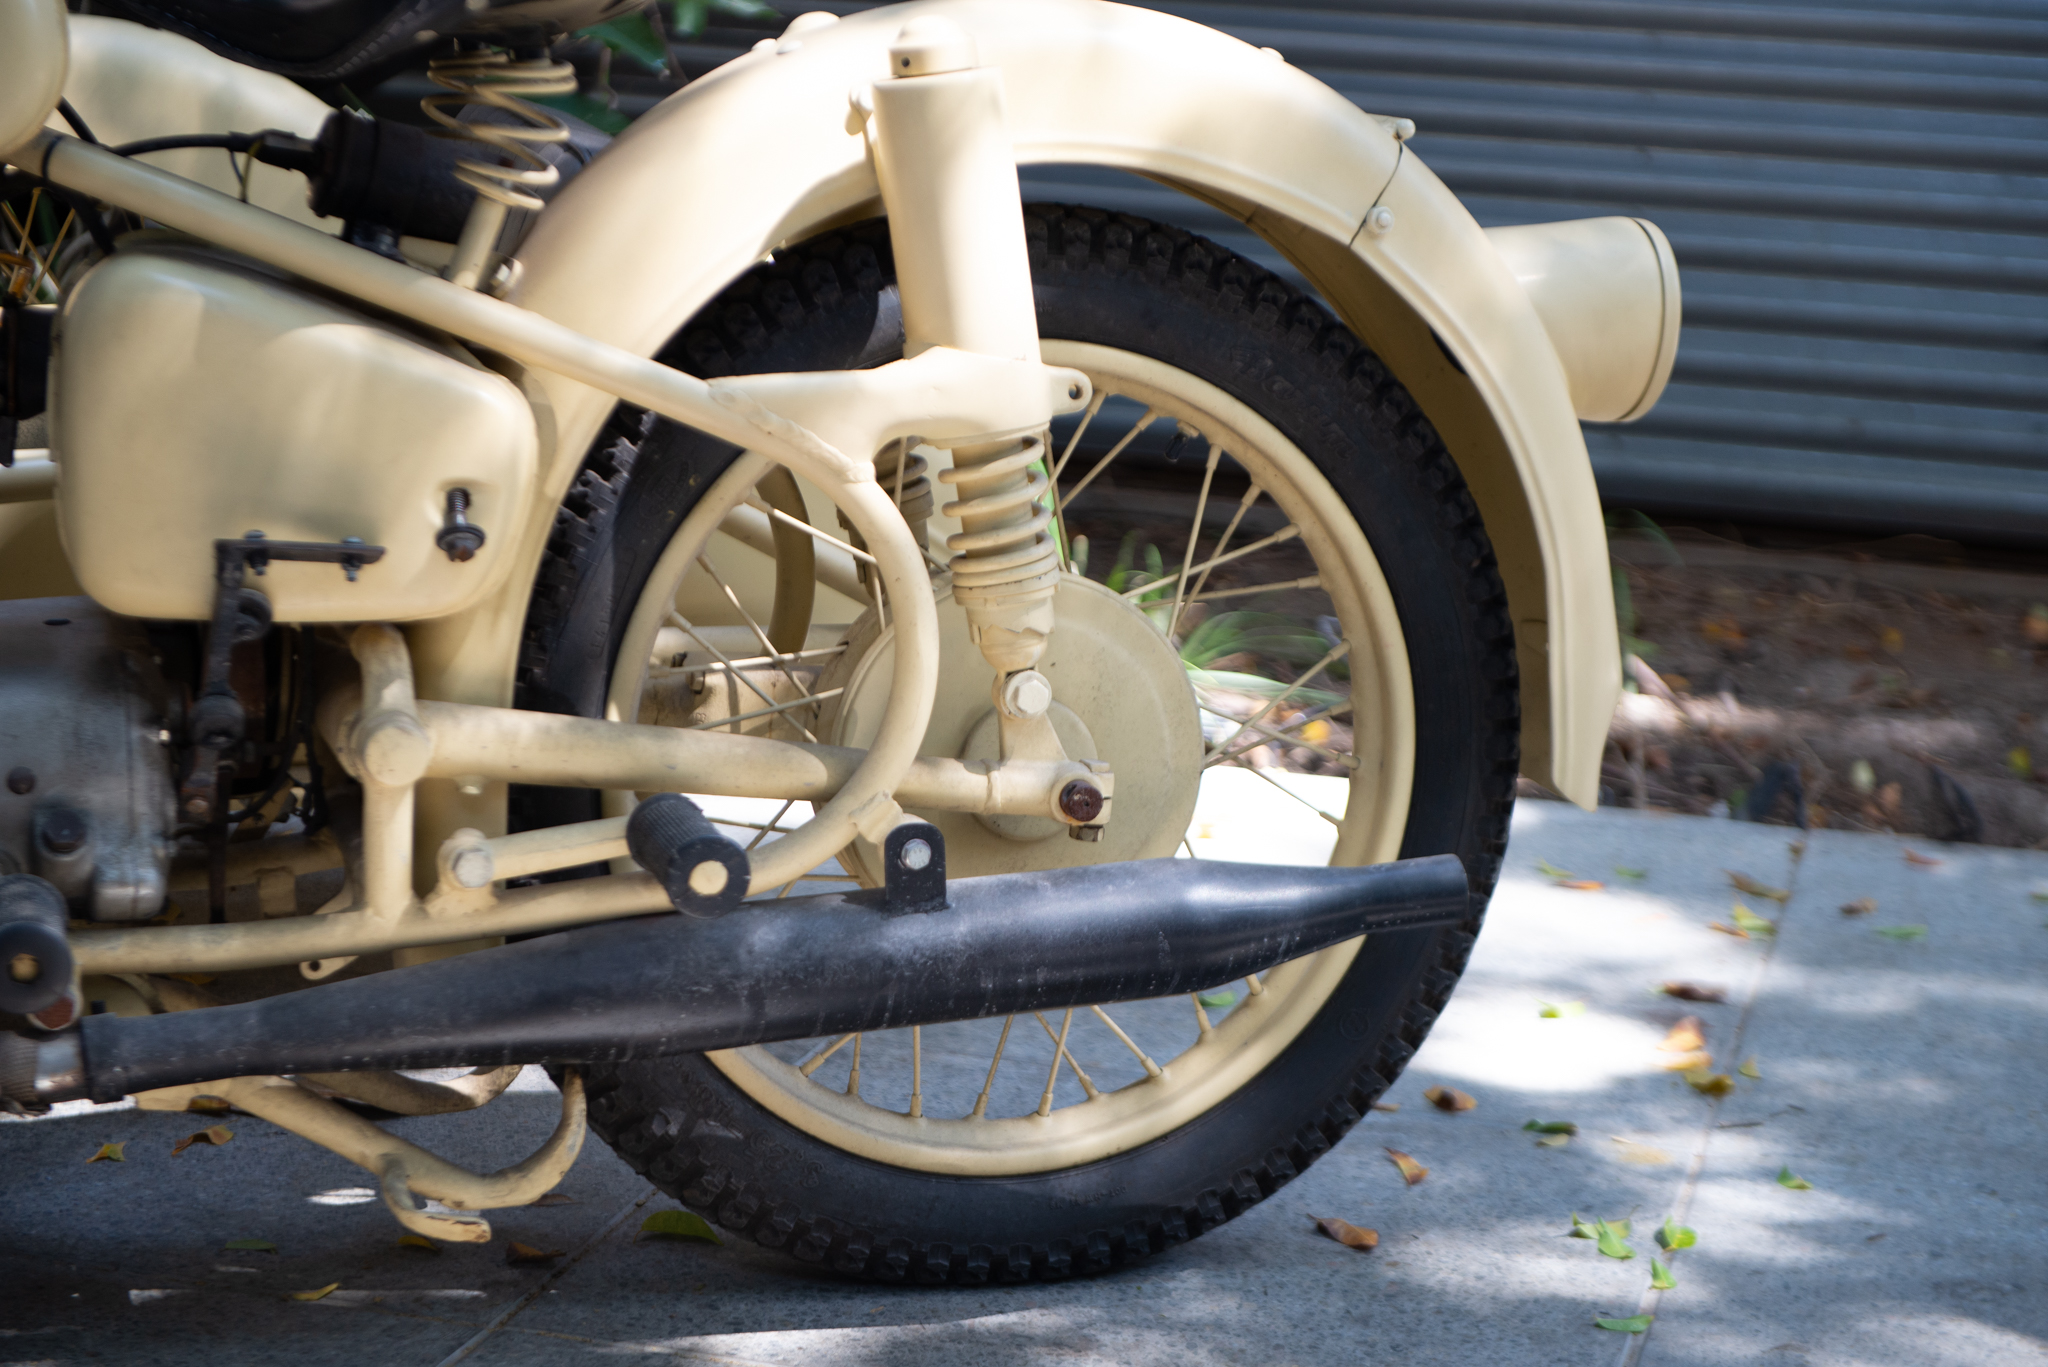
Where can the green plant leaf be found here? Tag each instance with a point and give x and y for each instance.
(1560, 1010)
(1551, 1127)
(1748, 920)
(679, 1224)
(1903, 932)
(250, 1246)
(1550, 870)
(1611, 1237)
(1749, 1068)
(1635, 874)
(1580, 1229)
(588, 108)
(1675, 1236)
(1788, 1181)
(635, 36)
(1632, 1324)
(1222, 996)
(1660, 1277)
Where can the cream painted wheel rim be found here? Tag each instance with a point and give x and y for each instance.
(1228, 1052)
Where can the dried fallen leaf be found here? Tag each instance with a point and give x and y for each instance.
(111, 1153)
(1707, 1082)
(1686, 1036)
(212, 1134)
(1631, 1324)
(679, 1224)
(1660, 1277)
(209, 1105)
(2020, 761)
(1550, 870)
(1635, 875)
(1449, 1099)
(1749, 1068)
(2039, 895)
(1644, 1155)
(1581, 884)
(2035, 625)
(1563, 1127)
(1612, 1239)
(1388, 1106)
(1751, 922)
(1738, 933)
(1744, 883)
(526, 1253)
(1560, 1010)
(1675, 1236)
(556, 1198)
(320, 1294)
(250, 1246)
(1411, 1171)
(1862, 906)
(1694, 992)
(1553, 1141)
(1925, 861)
(418, 1241)
(1787, 1180)
(1689, 1063)
(1903, 932)
(1348, 1234)
(1892, 641)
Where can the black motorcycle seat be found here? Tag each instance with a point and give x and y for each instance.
(309, 40)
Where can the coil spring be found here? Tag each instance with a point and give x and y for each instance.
(1002, 551)
(913, 495)
(494, 80)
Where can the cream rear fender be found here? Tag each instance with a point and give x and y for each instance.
(772, 148)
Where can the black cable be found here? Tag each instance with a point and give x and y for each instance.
(77, 124)
(234, 142)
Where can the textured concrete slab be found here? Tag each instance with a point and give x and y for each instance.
(1901, 1077)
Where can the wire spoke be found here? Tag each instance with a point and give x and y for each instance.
(853, 1078)
(1257, 988)
(1151, 1069)
(1060, 1040)
(1194, 536)
(1307, 581)
(1336, 653)
(760, 634)
(1244, 505)
(980, 1111)
(817, 1060)
(771, 826)
(1087, 416)
(1268, 734)
(1287, 533)
(805, 701)
(752, 662)
(777, 515)
(1064, 501)
(916, 1071)
(1334, 821)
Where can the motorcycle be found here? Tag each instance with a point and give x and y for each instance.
(481, 595)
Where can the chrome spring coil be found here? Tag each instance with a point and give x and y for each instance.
(1002, 554)
(493, 80)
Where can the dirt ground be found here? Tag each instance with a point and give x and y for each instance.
(1896, 685)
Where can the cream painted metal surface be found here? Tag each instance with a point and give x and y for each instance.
(1125, 88)
(196, 400)
(1607, 292)
(129, 82)
(32, 65)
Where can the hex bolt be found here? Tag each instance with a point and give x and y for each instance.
(1081, 801)
(21, 779)
(915, 855)
(24, 968)
(63, 830)
(473, 867)
(458, 536)
(1025, 694)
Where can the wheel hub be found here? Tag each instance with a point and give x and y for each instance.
(1120, 695)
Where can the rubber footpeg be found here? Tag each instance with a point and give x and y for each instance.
(703, 872)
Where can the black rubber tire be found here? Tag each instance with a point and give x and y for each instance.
(1143, 287)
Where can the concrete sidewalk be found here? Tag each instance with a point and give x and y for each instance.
(1904, 1078)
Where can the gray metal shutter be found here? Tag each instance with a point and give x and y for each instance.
(1857, 195)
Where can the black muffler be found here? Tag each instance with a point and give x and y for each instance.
(781, 970)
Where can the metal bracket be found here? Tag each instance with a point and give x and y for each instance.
(914, 867)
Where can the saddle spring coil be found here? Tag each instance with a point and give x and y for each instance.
(1005, 565)
(495, 80)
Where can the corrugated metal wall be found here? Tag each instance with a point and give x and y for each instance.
(1857, 195)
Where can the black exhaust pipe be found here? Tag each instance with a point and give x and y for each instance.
(787, 969)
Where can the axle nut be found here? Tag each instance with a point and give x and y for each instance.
(1081, 801)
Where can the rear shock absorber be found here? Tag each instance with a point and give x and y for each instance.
(906, 476)
(496, 80)
(1005, 564)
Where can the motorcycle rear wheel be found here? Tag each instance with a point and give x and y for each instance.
(1233, 356)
